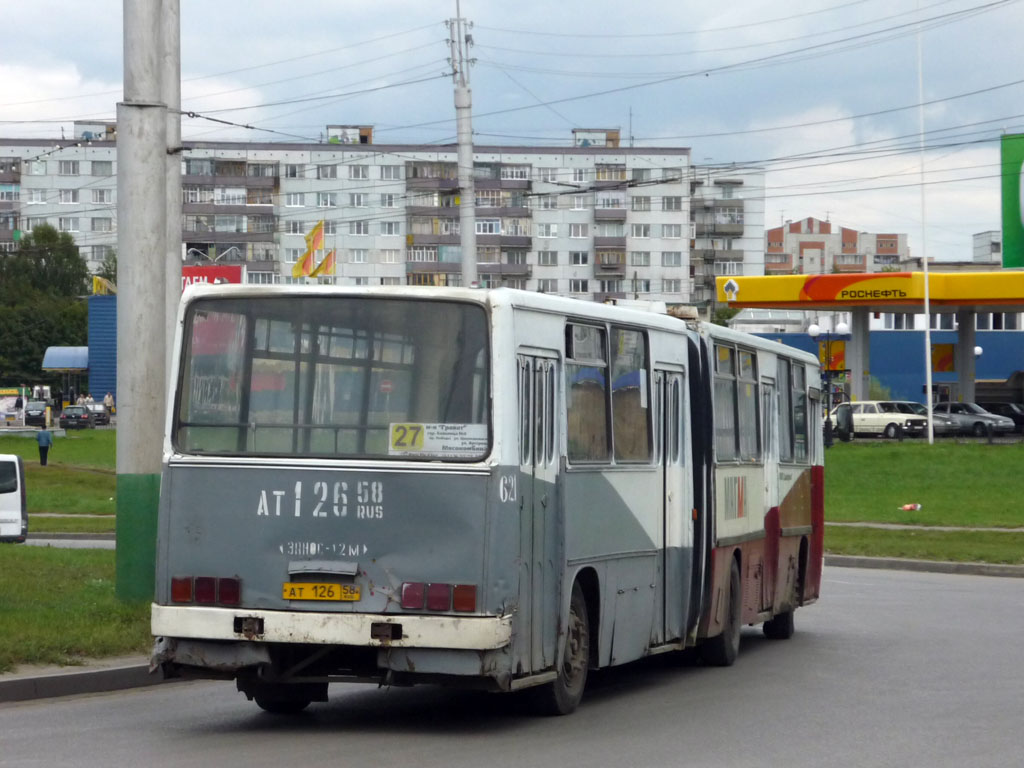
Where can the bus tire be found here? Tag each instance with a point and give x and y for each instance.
(276, 705)
(721, 650)
(563, 696)
(780, 626)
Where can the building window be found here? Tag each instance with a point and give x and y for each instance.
(728, 267)
(776, 258)
(102, 168)
(423, 253)
(642, 174)
(104, 224)
(67, 224)
(547, 258)
(488, 226)
(330, 227)
(579, 258)
(671, 286)
(388, 200)
(547, 230)
(488, 198)
(361, 227)
(672, 175)
(579, 174)
(294, 171)
(358, 200)
(391, 172)
(391, 281)
(672, 231)
(359, 171)
(641, 230)
(517, 172)
(579, 202)
(578, 230)
(103, 195)
(640, 285)
(640, 258)
(578, 286)
(68, 196)
(390, 255)
(229, 196)
(391, 227)
(294, 200)
(37, 196)
(549, 175)
(547, 202)
(611, 200)
(609, 286)
(34, 167)
(671, 203)
(547, 285)
(327, 171)
(34, 221)
(326, 199)
(641, 203)
(357, 255)
(610, 173)
(672, 258)
(67, 168)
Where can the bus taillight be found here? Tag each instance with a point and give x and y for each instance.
(208, 590)
(181, 589)
(439, 597)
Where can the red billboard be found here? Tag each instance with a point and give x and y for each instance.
(214, 273)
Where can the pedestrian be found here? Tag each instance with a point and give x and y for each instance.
(45, 439)
(19, 406)
(108, 402)
(88, 398)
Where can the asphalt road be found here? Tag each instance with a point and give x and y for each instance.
(888, 669)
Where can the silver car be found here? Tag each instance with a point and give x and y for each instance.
(972, 419)
(942, 423)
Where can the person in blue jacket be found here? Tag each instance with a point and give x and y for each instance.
(45, 439)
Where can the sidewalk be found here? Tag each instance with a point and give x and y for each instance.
(99, 675)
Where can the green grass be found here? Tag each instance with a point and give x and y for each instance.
(959, 484)
(57, 606)
(80, 448)
(105, 524)
(948, 546)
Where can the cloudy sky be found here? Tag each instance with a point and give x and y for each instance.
(822, 94)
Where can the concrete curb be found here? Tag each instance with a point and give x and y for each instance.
(925, 566)
(134, 672)
(69, 681)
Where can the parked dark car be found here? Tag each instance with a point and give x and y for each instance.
(76, 417)
(1014, 411)
(100, 414)
(35, 414)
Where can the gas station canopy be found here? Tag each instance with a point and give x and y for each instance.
(962, 293)
(891, 291)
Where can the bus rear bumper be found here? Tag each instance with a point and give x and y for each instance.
(350, 629)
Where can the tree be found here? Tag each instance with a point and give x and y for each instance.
(41, 285)
(723, 314)
(46, 263)
(108, 271)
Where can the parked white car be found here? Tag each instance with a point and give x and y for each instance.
(887, 418)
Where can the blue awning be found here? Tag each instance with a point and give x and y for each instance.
(66, 359)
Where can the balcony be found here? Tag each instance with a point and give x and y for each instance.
(602, 298)
(610, 214)
(508, 270)
(227, 237)
(431, 183)
(432, 267)
(432, 239)
(501, 183)
(605, 241)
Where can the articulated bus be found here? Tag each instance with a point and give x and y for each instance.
(481, 488)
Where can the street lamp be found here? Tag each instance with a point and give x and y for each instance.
(814, 331)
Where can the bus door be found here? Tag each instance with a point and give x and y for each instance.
(540, 567)
(674, 562)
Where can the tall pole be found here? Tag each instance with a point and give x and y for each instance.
(924, 245)
(171, 88)
(460, 42)
(141, 152)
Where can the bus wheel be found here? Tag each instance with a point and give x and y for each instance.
(721, 650)
(562, 696)
(278, 705)
(780, 627)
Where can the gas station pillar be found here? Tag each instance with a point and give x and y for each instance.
(964, 357)
(858, 354)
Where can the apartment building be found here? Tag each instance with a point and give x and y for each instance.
(813, 246)
(727, 220)
(593, 220)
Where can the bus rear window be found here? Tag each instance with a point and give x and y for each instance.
(334, 377)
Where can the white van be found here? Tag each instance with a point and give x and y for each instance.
(13, 509)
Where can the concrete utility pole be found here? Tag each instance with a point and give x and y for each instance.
(460, 41)
(141, 318)
(170, 87)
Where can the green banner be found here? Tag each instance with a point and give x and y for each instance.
(1013, 226)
